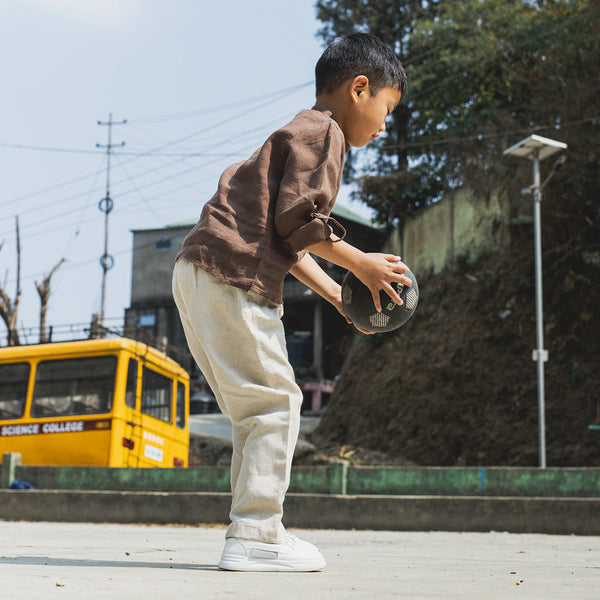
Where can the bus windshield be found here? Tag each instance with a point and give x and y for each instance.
(77, 386)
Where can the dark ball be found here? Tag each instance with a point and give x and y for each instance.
(359, 306)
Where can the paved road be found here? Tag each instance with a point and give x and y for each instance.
(85, 561)
(219, 426)
(211, 425)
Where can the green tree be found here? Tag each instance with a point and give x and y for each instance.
(482, 75)
(386, 183)
(499, 72)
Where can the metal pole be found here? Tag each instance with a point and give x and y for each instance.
(106, 205)
(318, 339)
(540, 355)
(107, 209)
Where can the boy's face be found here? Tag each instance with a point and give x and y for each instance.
(365, 119)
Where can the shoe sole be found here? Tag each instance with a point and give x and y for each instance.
(239, 563)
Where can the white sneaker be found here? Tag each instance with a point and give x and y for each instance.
(249, 555)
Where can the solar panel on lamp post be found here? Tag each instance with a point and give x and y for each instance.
(537, 148)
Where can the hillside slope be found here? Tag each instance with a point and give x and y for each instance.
(457, 384)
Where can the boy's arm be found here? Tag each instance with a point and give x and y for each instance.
(310, 273)
(376, 270)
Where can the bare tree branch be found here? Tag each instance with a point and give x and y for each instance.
(44, 292)
(8, 308)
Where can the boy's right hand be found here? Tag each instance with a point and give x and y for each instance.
(378, 271)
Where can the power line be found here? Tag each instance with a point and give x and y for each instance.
(133, 184)
(149, 171)
(89, 261)
(420, 143)
(83, 209)
(48, 189)
(153, 170)
(97, 153)
(483, 136)
(153, 151)
(48, 149)
(195, 113)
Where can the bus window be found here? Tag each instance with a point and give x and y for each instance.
(156, 395)
(13, 389)
(77, 386)
(131, 389)
(180, 413)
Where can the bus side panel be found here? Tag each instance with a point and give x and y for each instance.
(117, 456)
(72, 448)
(161, 444)
(180, 450)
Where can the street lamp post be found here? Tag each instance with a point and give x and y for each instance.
(536, 149)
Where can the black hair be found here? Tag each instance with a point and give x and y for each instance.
(359, 54)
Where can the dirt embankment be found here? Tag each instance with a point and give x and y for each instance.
(457, 384)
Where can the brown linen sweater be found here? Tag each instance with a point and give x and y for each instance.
(271, 207)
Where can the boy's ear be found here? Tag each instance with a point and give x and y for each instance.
(359, 86)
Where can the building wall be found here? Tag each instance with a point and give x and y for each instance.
(154, 252)
(153, 315)
(459, 225)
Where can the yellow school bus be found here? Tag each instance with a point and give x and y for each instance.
(110, 402)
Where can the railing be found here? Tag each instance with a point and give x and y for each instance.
(338, 478)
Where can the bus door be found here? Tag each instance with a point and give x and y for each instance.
(132, 430)
(157, 420)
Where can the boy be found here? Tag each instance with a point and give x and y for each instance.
(268, 214)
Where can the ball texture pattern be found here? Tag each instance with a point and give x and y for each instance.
(359, 306)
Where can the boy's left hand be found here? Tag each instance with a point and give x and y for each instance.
(337, 302)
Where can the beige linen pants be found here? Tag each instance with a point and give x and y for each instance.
(237, 339)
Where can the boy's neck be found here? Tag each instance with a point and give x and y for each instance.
(329, 102)
(335, 102)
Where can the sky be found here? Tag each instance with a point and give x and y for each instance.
(201, 85)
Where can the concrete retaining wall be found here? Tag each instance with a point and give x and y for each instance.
(321, 511)
(337, 496)
(460, 225)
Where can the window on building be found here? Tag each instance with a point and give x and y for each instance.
(147, 320)
(162, 245)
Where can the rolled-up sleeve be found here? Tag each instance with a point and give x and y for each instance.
(309, 187)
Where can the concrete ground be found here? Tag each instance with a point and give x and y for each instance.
(88, 561)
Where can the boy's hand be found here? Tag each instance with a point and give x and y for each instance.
(309, 272)
(378, 271)
(337, 302)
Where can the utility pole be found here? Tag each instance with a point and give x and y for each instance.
(106, 205)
